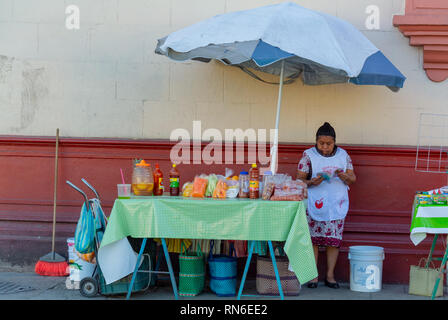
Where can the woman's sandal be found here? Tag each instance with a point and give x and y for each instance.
(333, 285)
(312, 285)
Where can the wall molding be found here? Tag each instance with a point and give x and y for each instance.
(425, 22)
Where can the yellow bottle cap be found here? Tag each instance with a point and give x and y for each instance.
(254, 165)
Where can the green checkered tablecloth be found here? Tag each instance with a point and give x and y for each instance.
(227, 219)
(426, 218)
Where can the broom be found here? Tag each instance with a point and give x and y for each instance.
(53, 264)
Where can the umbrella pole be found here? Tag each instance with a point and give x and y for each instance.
(274, 151)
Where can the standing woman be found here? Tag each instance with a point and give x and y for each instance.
(327, 198)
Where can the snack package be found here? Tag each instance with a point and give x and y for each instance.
(324, 175)
(199, 187)
(289, 190)
(187, 189)
(220, 190)
(229, 173)
(233, 188)
(268, 190)
(211, 185)
(304, 188)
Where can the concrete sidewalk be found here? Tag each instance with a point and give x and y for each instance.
(30, 286)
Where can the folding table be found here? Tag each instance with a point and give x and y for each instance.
(432, 219)
(168, 217)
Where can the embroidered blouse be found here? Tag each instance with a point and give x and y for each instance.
(305, 163)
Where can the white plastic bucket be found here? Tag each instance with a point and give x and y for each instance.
(366, 268)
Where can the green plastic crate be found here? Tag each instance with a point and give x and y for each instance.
(141, 283)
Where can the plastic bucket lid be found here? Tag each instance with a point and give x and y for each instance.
(366, 251)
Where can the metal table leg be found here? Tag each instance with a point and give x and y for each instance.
(277, 276)
(274, 263)
(243, 279)
(170, 269)
(137, 264)
(432, 250)
(168, 262)
(442, 266)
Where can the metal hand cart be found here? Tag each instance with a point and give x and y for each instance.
(95, 284)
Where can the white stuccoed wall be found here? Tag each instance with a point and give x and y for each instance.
(104, 80)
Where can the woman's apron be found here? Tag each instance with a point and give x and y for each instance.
(329, 200)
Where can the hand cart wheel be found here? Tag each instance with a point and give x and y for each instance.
(88, 287)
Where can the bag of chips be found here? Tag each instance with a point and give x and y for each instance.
(220, 190)
(211, 185)
(233, 188)
(199, 187)
(187, 189)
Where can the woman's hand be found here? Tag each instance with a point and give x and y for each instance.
(313, 182)
(316, 181)
(348, 177)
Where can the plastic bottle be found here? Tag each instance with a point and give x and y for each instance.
(142, 179)
(158, 181)
(244, 184)
(254, 183)
(174, 181)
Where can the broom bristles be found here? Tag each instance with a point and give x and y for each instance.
(52, 269)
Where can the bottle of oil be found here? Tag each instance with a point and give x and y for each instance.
(254, 182)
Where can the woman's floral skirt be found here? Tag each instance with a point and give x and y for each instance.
(326, 233)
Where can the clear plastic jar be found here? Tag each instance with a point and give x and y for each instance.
(142, 179)
(267, 189)
(244, 184)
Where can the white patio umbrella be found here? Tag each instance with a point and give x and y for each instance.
(287, 40)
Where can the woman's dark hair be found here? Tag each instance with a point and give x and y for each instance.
(326, 130)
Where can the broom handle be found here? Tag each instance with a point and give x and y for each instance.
(55, 187)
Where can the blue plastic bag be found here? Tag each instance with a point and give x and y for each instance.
(85, 231)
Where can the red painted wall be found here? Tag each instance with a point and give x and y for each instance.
(380, 201)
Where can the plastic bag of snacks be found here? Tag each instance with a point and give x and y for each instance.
(268, 190)
(233, 188)
(199, 186)
(212, 181)
(271, 183)
(220, 190)
(187, 189)
(289, 190)
(229, 173)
